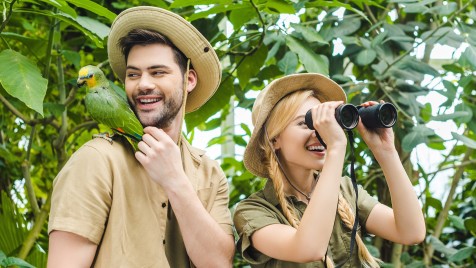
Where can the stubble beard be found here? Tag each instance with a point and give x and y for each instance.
(165, 117)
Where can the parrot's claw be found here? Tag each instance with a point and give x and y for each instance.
(105, 136)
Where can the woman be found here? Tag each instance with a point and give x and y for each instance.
(304, 215)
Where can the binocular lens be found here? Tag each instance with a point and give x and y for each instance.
(382, 115)
(347, 116)
(388, 115)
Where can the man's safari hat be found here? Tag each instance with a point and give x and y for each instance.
(325, 89)
(182, 34)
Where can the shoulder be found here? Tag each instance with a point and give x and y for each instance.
(109, 149)
(254, 205)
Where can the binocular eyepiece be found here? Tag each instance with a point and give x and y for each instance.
(382, 115)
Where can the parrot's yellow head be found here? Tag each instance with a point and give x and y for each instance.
(89, 75)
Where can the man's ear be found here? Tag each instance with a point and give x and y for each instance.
(192, 80)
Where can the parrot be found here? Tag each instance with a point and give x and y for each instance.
(107, 107)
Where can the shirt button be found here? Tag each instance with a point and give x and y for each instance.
(163, 241)
(164, 205)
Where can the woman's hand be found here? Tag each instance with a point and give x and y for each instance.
(324, 121)
(377, 139)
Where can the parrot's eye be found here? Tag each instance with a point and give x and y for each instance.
(89, 76)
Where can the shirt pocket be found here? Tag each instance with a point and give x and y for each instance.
(206, 196)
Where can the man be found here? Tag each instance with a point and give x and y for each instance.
(167, 205)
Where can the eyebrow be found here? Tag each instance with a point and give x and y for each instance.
(160, 66)
(299, 117)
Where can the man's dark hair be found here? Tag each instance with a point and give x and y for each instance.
(147, 37)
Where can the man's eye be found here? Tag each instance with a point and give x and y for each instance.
(132, 75)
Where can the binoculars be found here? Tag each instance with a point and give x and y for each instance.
(382, 115)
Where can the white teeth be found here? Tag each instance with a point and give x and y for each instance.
(316, 148)
(149, 100)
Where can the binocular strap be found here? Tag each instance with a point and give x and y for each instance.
(354, 184)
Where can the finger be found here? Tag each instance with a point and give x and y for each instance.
(144, 148)
(149, 140)
(141, 157)
(153, 131)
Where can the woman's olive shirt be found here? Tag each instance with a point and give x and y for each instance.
(262, 209)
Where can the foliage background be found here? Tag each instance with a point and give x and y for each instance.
(43, 43)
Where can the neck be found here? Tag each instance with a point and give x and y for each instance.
(174, 130)
(299, 183)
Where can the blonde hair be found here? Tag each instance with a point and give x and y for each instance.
(276, 123)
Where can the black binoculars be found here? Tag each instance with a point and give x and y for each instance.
(382, 115)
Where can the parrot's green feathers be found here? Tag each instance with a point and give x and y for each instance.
(106, 107)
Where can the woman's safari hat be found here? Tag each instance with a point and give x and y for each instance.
(325, 88)
(182, 34)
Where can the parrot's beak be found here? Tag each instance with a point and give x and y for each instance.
(80, 82)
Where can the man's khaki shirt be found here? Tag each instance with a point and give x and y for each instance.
(104, 194)
(262, 209)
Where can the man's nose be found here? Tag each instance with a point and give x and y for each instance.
(146, 82)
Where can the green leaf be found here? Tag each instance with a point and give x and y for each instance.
(22, 79)
(346, 27)
(446, 117)
(73, 57)
(2, 256)
(157, 3)
(313, 63)
(415, 8)
(470, 225)
(186, 3)
(251, 65)
(467, 141)
(215, 10)
(469, 55)
(462, 254)
(242, 16)
(378, 39)
(466, 113)
(288, 63)
(434, 202)
(440, 247)
(457, 221)
(246, 129)
(444, 10)
(61, 5)
(239, 140)
(310, 34)
(95, 8)
(55, 109)
(418, 134)
(94, 26)
(71, 21)
(280, 7)
(365, 57)
(12, 261)
(213, 105)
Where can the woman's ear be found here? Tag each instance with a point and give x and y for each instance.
(276, 143)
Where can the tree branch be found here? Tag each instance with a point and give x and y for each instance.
(25, 167)
(9, 15)
(442, 217)
(402, 56)
(261, 36)
(40, 221)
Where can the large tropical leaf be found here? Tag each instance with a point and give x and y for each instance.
(22, 79)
